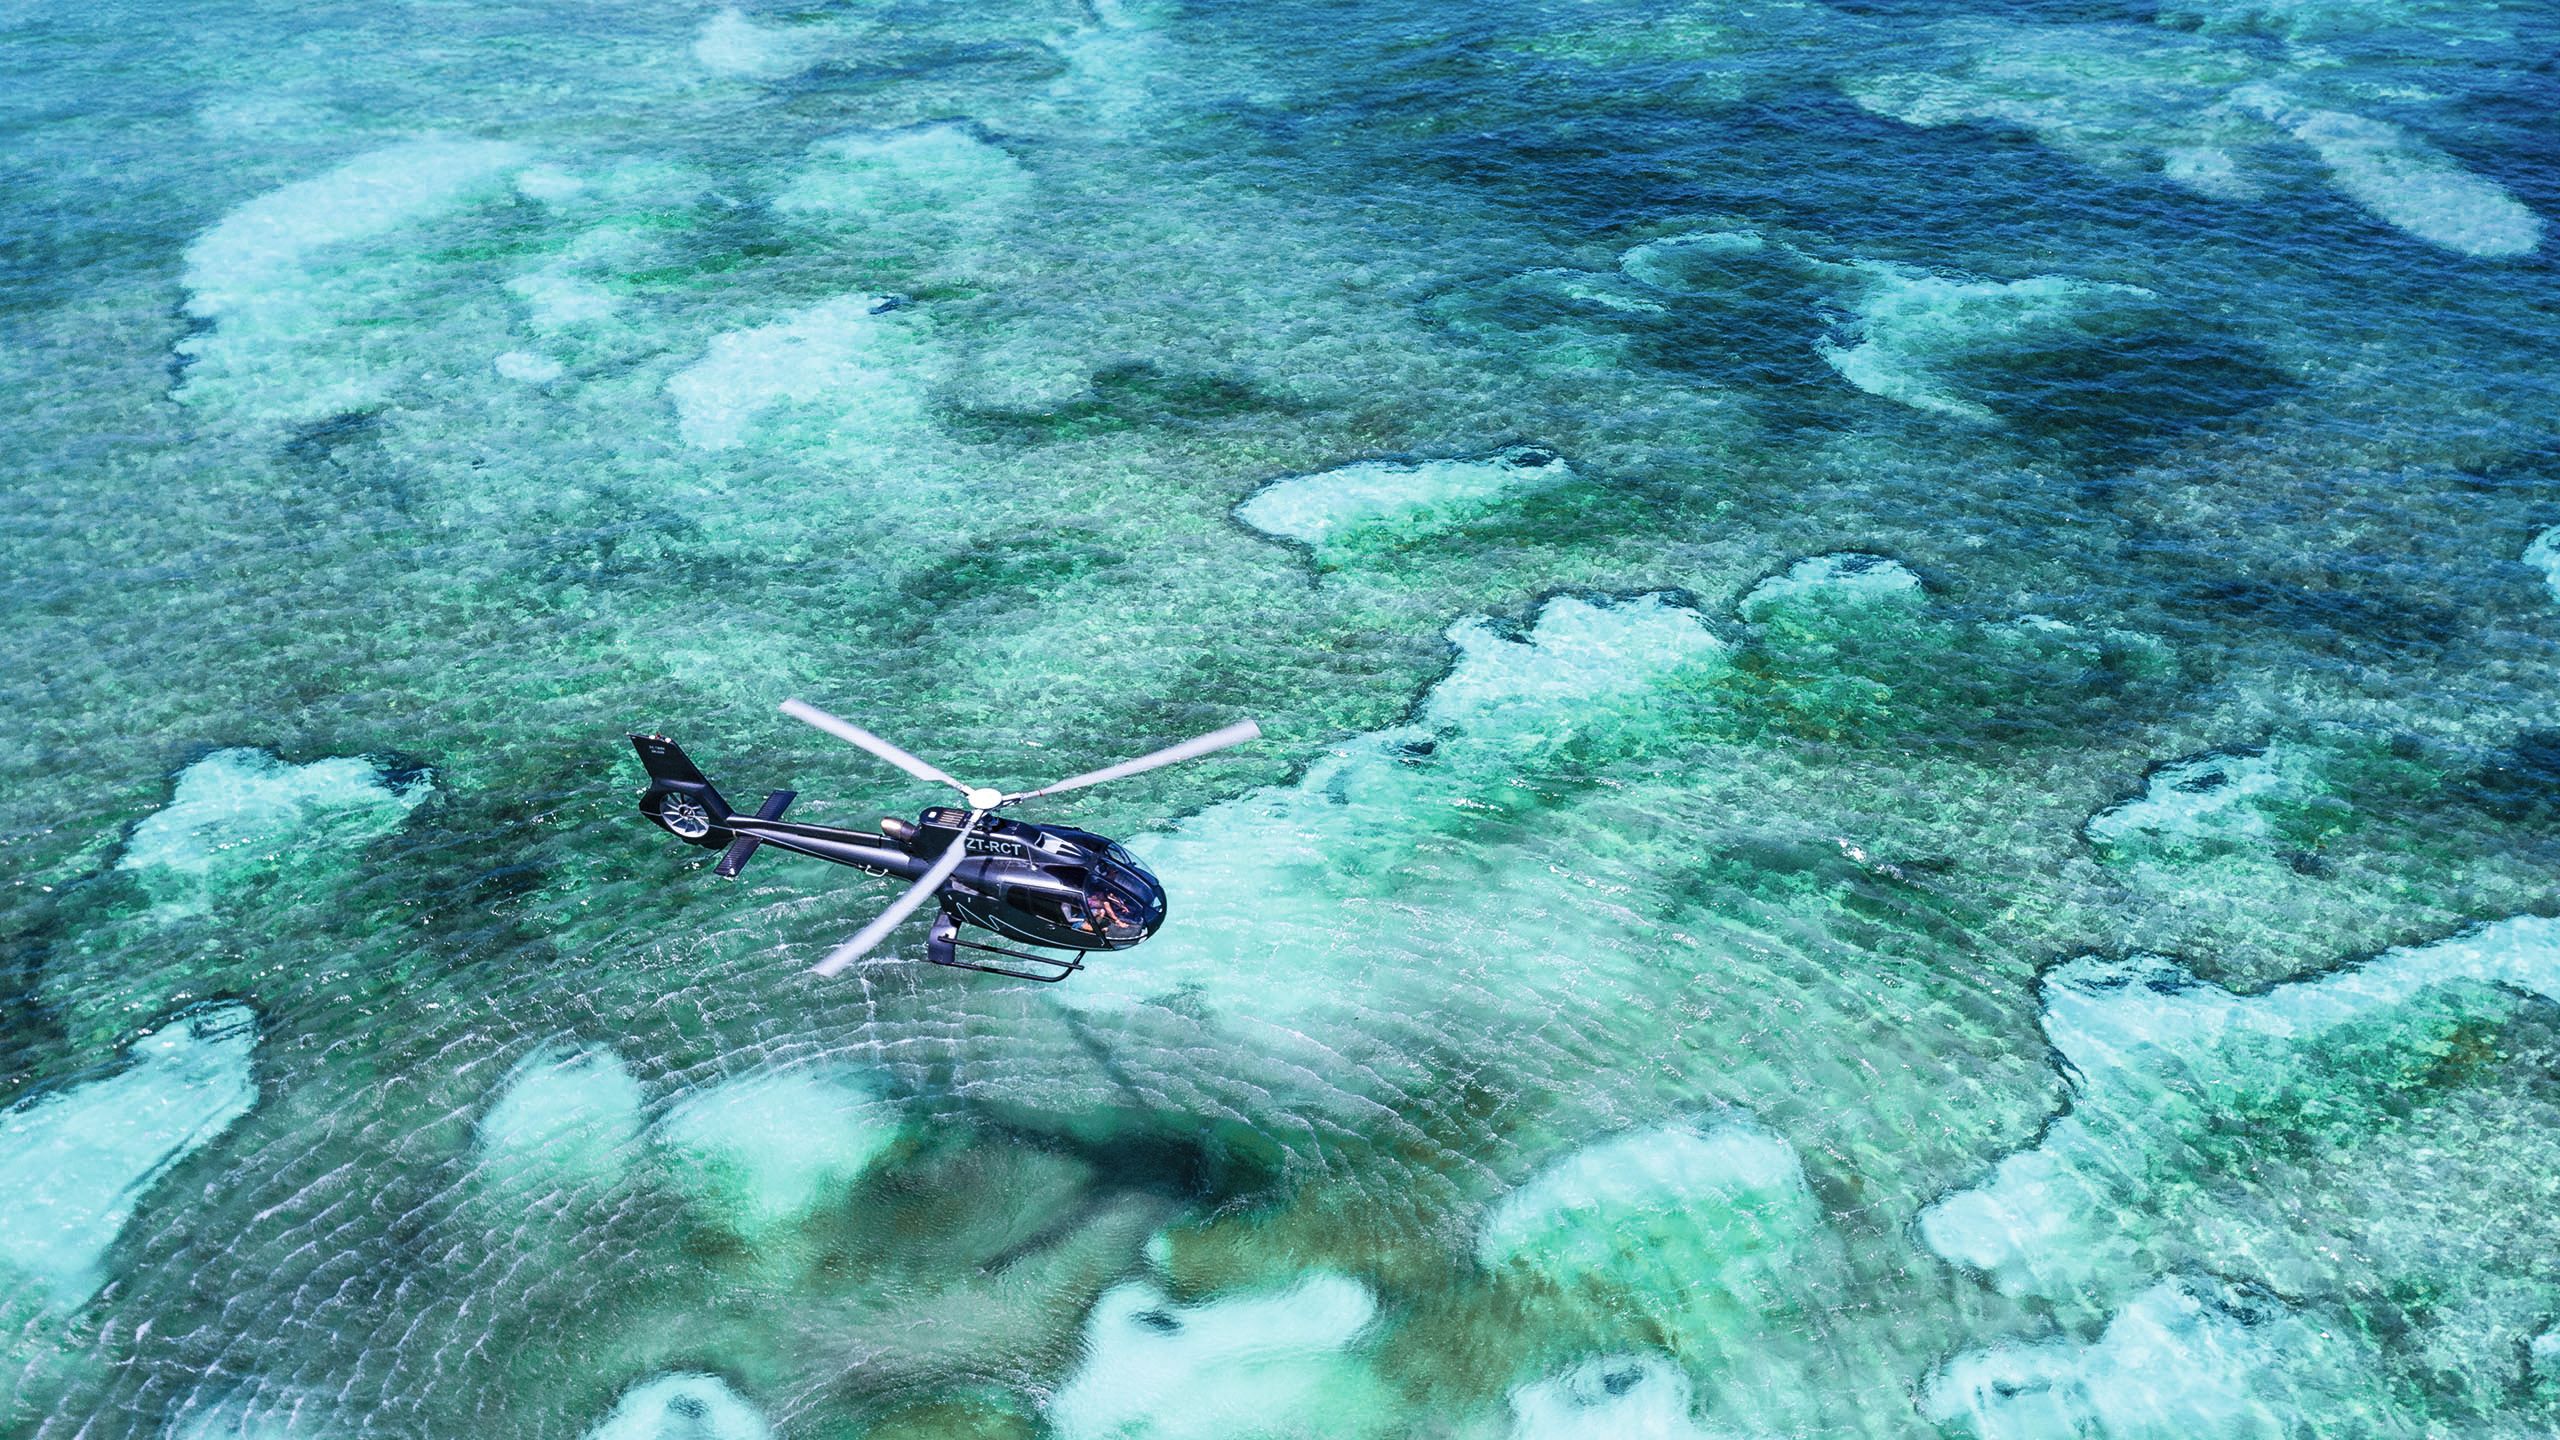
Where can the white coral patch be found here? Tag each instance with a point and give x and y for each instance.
(731, 44)
(939, 171)
(2209, 797)
(2142, 1038)
(1274, 1364)
(239, 811)
(683, 1406)
(2185, 1360)
(2544, 555)
(770, 1149)
(75, 1162)
(1615, 1397)
(854, 358)
(562, 1117)
(1907, 324)
(1417, 497)
(271, 279)
(1698, 1206)
(1849, 576)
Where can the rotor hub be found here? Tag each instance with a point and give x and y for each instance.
(985, 798)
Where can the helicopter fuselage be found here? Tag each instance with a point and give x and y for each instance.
(1039, 884)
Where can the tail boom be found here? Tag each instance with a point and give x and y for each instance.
(682, 801)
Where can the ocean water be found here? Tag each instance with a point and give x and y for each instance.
(1910, 658)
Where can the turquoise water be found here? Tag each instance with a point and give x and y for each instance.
(1908, 657)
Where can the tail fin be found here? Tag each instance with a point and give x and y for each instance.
(679, 800)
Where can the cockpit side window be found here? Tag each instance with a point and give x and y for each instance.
(1054, 907)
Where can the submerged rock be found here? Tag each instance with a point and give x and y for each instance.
(683, 1406)
(239, 812)
(1274, 1365)
(75, 1162)
(1399, 497)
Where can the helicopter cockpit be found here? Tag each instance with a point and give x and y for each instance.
(1119, 912)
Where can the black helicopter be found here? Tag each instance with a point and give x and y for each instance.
(1051, 886)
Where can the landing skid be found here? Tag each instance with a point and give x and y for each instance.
(943, 941)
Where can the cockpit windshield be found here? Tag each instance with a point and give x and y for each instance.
(1113, 908)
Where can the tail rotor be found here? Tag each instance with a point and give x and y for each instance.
(679, 798)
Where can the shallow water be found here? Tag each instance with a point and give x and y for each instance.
(1908, 659)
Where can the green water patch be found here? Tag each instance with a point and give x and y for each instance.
(2254, 1135)
(1850, 650)
(2216, 844)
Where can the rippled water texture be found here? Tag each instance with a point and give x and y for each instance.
(1910, 659)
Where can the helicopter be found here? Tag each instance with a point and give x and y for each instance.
(1052, 887)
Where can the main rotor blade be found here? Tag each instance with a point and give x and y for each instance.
(1215, 740)
(854, 734)
(902, 907)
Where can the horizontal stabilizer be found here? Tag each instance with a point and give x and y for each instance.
(734, 859)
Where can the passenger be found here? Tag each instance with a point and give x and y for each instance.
(1107, 907)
